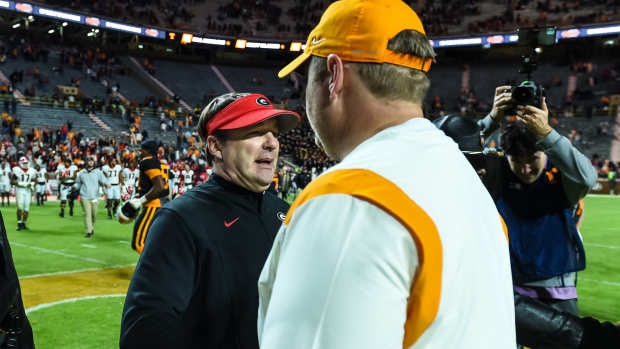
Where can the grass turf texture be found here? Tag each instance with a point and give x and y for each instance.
(83, 324)
(55, 244)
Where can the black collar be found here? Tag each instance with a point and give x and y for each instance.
(230, 186)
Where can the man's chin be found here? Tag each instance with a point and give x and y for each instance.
(528, 180)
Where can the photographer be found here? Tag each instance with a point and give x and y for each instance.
(544, 177)
(538, 324)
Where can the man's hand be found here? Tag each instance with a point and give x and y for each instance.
(536, 120)
(501, 102)
(138, 202)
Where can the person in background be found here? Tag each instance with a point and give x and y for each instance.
(88, 182)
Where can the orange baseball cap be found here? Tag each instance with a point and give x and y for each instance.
(359, 31)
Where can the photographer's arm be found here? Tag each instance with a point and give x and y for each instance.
(501, 102)
(577, 171)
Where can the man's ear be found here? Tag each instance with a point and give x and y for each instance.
(335, 68)
(214, 147)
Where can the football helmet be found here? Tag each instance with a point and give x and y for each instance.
(23, 162)
(127, 213)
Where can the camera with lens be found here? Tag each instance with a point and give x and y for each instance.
(527, 93)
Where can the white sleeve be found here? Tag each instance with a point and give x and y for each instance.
(341, 275)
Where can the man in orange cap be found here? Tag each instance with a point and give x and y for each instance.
(195, 283)
(389, 248)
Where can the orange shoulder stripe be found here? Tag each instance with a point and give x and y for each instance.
(371, 187)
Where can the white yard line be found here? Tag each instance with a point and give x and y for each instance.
(86, 259)
(600, 245)
(600, 281)
(71, 300)
(603, 196)
(88, 246)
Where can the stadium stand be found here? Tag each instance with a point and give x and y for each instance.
(294, 19)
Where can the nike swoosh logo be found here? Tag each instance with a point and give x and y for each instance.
(228, 224)
(315, 42)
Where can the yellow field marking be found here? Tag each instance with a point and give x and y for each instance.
(53, 288)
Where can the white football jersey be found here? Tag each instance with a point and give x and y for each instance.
(188, 177)
(24, 177)
(130, 177)
(41, 175)
(5, 174)
(69, 173)
(111, 173)
(175, 176)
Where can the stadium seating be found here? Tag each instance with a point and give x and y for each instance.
(293, 19)
(190, 81)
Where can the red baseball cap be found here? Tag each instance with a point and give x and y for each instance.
(250, 110)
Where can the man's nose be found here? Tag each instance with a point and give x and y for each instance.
(271, 141)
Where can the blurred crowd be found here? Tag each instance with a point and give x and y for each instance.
(295, 18)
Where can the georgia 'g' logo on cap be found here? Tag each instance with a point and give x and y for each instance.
(262, 101)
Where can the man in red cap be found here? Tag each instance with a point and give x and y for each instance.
(195, 283)
(399, 245)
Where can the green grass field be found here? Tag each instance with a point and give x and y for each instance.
(83, 309)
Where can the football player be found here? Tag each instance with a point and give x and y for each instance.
(5, 181)
(23, 177)
(129, 178)
(174, 181)
(112, 172)
(152, 192)
(66, 172)
(188, 177)
(41, 187)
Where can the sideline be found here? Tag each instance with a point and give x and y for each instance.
(70, 300)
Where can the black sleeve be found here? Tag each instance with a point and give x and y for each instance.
(161, 287)
(540, 325)
(598, 335)
(12, 312)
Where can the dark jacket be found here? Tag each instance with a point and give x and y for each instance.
(195, 285)
(14, 325)
(540, 325)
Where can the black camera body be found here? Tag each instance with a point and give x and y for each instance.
(527, 93)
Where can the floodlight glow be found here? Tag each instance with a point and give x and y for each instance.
(59, 15)
(209, 41)
(240, 43)
(295, 46)
(460, 42)
(123, 27)
(186, 38)
(604, 30)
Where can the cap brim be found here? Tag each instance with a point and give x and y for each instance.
(293, 65)
(287, 120)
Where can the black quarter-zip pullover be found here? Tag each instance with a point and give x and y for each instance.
(195, 285)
